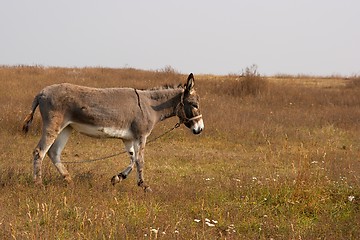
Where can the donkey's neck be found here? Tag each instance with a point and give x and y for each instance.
(165, 101)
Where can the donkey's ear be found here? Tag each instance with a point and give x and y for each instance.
(190, 83)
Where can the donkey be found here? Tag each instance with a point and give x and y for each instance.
(125, 113)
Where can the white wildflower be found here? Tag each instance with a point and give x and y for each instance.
(210, 224)
(197, 220)
(154, 230)
(351, 198)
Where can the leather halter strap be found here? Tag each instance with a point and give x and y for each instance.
(182, 116)
(194, 118)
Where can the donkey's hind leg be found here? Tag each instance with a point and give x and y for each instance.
(55, 152)
(47, 139)
(129, 146)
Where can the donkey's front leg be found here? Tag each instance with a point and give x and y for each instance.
(129, 145)
(139, 166)
(123, 174)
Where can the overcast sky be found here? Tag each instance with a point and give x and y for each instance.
(317, 37)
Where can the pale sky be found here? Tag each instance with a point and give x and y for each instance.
(314, 37)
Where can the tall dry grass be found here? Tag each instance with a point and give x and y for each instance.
(277, 160)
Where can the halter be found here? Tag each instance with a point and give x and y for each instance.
(182, 117)
(193, 118)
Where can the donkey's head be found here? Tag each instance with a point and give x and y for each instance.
(189, 108)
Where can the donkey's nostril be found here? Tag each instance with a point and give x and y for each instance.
(197, 131)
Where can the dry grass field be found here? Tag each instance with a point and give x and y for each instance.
(279, 159)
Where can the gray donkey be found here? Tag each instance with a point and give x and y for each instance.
(125, 113)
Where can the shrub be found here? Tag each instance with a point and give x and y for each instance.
(354, 82)
(249, 83)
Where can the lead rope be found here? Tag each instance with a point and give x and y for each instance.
(119, 153)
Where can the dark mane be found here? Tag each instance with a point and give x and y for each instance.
(166, 86)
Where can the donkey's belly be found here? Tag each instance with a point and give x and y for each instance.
(102, 132)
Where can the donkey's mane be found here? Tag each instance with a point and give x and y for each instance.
(165, 87)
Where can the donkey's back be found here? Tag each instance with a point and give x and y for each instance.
(67, 104)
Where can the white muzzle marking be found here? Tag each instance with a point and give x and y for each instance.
(198, 126)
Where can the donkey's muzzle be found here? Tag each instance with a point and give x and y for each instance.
(197, 131)
(197, 126)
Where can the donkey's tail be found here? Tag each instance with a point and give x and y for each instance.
(29, 118)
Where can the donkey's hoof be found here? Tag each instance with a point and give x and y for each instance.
(147, 189)
(68, 179)
(115, 179)
(38, 182)
(144, 186)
